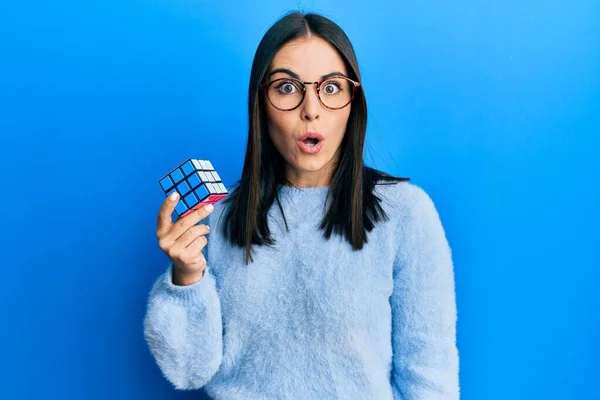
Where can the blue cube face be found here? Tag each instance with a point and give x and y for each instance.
(187, 167)
(194, 180)
(180, 208)
(183, 188)
(176, 175)
(166, 183)
(191, 200)
(201, 192)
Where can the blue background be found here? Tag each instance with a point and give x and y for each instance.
(492, 107)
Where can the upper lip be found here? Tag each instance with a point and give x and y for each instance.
(315, 135)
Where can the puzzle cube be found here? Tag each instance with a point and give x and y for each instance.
(197, 183)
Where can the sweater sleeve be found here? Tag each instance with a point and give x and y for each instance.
(425, 356)
(183, 329)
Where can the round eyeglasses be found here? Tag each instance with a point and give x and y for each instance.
(286, 94)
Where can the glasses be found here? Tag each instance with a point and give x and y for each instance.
(286, 94)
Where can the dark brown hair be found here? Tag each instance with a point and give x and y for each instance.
(245, 222)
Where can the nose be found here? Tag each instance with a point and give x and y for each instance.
(311, 106)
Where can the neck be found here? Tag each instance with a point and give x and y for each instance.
(309, 180)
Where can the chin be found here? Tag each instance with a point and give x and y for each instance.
(311, 165)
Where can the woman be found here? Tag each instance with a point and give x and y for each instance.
(323, 278)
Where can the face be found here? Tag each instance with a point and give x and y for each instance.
(310, 59)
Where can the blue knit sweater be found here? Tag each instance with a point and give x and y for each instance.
(312, 319)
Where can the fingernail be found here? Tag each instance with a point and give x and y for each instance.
(173, 196)
(209, 207)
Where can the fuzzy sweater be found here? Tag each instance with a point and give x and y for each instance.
(312, 319)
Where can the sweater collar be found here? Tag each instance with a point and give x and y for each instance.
(303, 203)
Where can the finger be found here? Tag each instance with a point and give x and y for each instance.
(181, 245)
(185, 223)
(197, 244)
(193, 253)
(191, 234)
(164, 222)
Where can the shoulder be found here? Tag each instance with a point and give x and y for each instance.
(405, 200)
(417, 227)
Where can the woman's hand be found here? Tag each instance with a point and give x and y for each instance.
(183, 241)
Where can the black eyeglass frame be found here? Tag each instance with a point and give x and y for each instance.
(355, 86)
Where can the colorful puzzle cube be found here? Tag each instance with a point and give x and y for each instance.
(197, 183)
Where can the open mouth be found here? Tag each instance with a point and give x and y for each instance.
(311, 142)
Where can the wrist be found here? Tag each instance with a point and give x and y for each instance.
(180, 279)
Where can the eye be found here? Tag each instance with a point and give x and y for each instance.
(331, 87)
(286, 87)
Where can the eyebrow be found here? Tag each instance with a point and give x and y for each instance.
(295, 75)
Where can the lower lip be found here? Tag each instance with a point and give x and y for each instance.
(310, 149)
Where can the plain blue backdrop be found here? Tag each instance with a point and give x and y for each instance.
(492, 107)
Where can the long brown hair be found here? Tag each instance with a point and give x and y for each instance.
(245, 222)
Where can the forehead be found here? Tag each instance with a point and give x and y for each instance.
(309, 57)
